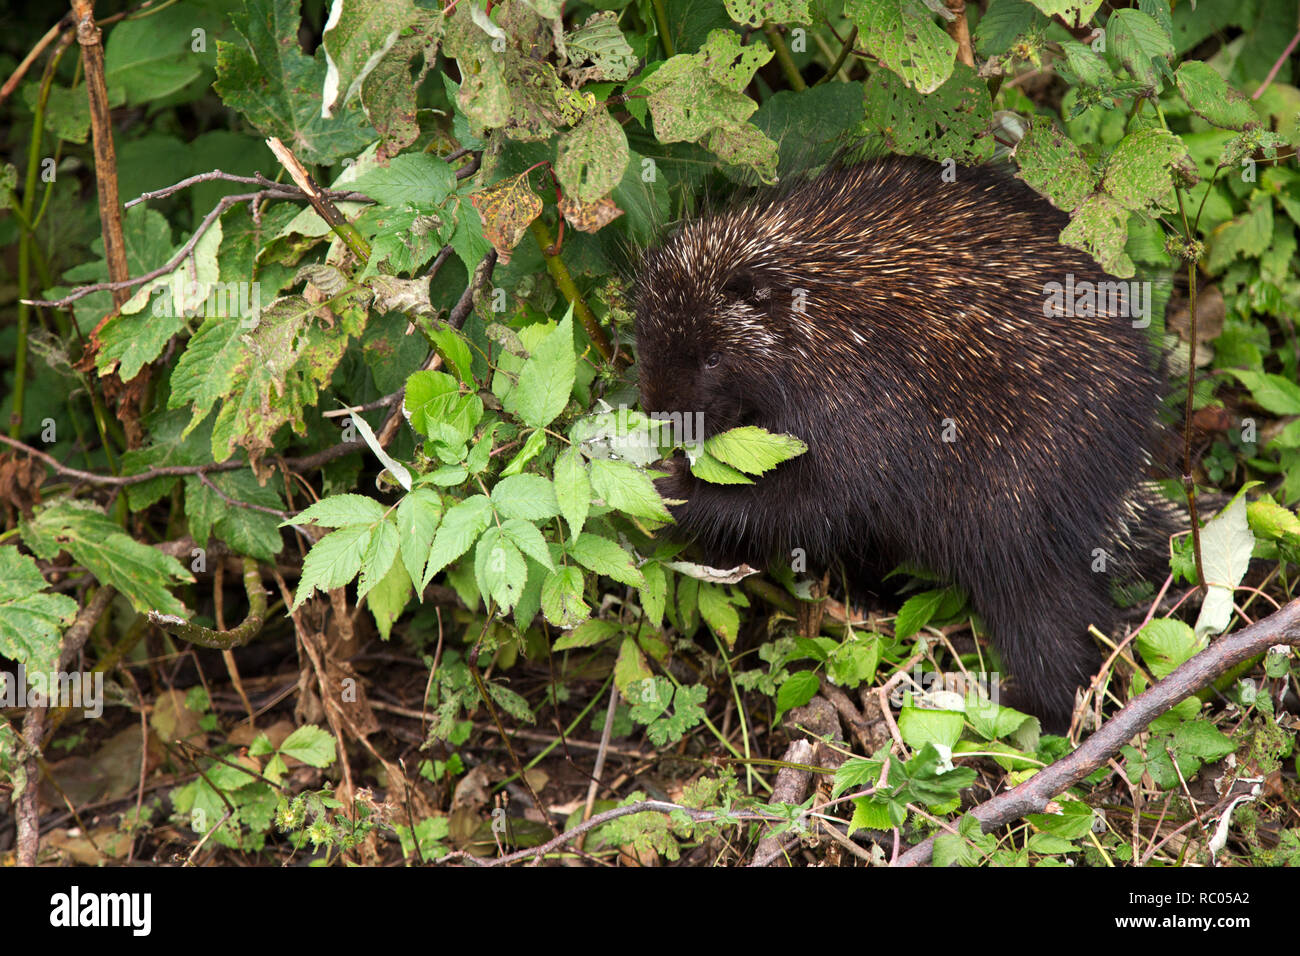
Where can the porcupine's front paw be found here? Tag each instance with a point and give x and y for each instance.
(678, 482)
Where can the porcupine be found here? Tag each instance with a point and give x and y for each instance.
(895, 322)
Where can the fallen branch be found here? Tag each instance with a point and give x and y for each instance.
(1032, 796)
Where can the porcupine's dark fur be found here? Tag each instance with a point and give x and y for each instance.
(923, 303)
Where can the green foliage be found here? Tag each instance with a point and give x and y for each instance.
(516, 478)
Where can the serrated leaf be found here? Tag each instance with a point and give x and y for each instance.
(1137, 174)
(917, 611)
(592, 157)
(588, 634)
(1165, 644)
(409, 178)
(339, 510)
(753, 450)
(525, 496)
(795, 691)
(418, 515)
(141, 573)
(333, 561)
(605, 557)
(707, 468)
(264, 74)
(380, 554)
(1138, 40)
(460, 528)
(1054, 167)
(31, 618)
(627, 488)
(572, 489)
(500, 569)
(506, 208)
(719, 613)
(312, 745)
(562, 602)
(654, 593)
(546, 379)
(902, 34)
(529, 540)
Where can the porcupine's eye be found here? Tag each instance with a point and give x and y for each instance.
(713, 360)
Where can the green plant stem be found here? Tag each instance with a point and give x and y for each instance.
(25, 240)
(783, 58)
(225, 640)
(560, 273)
(568, 731)
(838, 65)
(661, 20)
(1189, 486)
(740, 712)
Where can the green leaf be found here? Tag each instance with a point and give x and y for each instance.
(627, 488)
(1210, 97)
(1203, 740)
(264, 75)
(719, 613)
(418, 178)
(917, 611)
(1166, 644)
(1274, 393)
(948, 124)
(605, 557)
(380, 554)
(525, 496)
(1138, 172)
(247, 531)
(707, 468)
(753, 450)
(562, 602)
(572, 489)
(312, 745)
(460, 528)
(388, 599)
(1054, 167)
(455, 352)
(1100, 228)
(31, 619)
(920, 726)
(418, 515)
(547, 377)
(1138, 41)
(1073, 822)
(795, 691)
(1089, 68)
(654, 593)
(592, 156)
(902, 34)
(529, 540)
(588, 635)
(500, 569)
(333, 561)
(752, 13)
(339, 510)
(141, 573)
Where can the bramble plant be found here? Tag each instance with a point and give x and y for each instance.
(364, 321)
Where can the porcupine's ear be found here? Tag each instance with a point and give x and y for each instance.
(759, 289)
